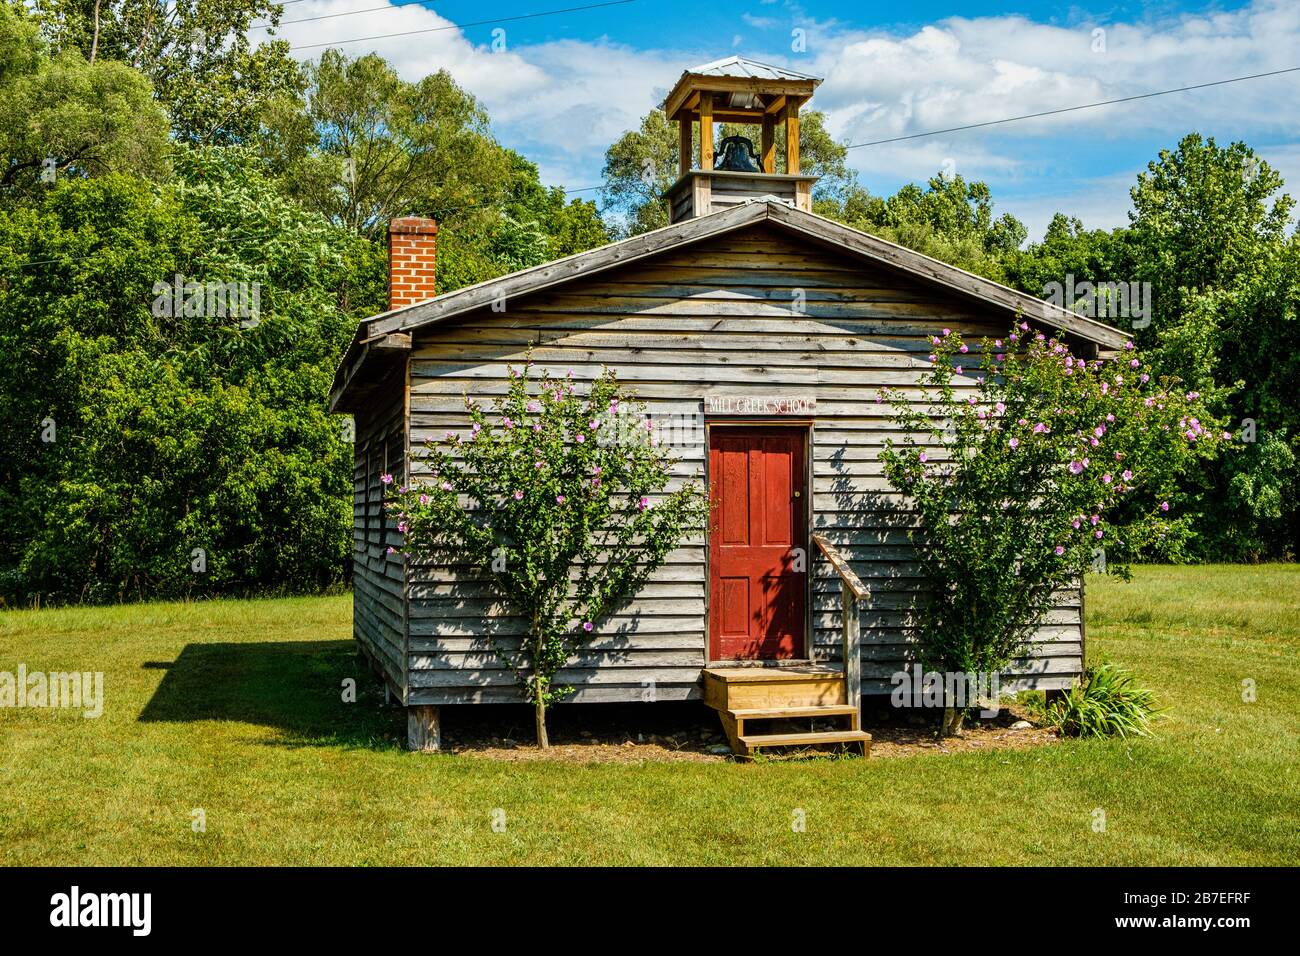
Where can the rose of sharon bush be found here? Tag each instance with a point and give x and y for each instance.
(1028, 465)
(559, 505)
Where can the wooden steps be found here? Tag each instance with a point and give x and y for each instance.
(835, 710)
(752, 741)
(799, 693)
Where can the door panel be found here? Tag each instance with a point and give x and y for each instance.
(757, 598)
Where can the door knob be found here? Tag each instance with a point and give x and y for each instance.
(797, 494)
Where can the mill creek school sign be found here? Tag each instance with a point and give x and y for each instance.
(760, 405)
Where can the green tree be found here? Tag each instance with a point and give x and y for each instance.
(950, 219)
(208, 60)
(63, 117)
(1209, 232)
(1204, 218)
(364, 146)
(560, 503)
(1068, 249)
(161, 446)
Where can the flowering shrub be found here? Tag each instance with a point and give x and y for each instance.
(1030, 462)
(559, 506)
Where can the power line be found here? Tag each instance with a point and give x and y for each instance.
(1071, 109)
(460, 26)
(395, 5)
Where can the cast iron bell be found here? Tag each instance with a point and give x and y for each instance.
(738, 155)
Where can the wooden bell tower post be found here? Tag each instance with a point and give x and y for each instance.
(737, 90)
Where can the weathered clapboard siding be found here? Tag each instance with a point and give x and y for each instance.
(379, 608)
(719, 318)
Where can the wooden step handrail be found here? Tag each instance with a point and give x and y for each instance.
(841, 567)
(852, 591)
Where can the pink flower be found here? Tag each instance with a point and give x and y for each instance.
(1095, 519)
(921, 456)
(519, 496)
(1024, 326)
(446, 486)
(559, 499)
(1001, 357)
(424, 499)
(386, 479)
(507, 423)
(932, 357)
(1098, 533)
(581, 439)
(1133, 363)
(1144, 378)
(947, 332)
(1059, 550)
(963, 349)
(402, 526)
(1105, 479)
(1000, 408)
(1014, 443)
(1076, 467)
(1129, 345)
(534, 406)
(1075, 524)
(1227, 436)
(997, 343)
(586, 626)
(643, 504)
(1127, 476)
(1164, 506)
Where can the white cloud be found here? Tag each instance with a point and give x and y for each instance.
(563, 102)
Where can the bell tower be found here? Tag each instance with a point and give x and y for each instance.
(737, 90)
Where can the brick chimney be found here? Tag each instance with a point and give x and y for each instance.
(412, 248)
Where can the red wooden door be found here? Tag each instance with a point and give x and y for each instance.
(756, 595)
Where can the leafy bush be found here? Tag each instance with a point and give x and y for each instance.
(1106, 704)
(1027, 462)
(172, 454)
(560, 502)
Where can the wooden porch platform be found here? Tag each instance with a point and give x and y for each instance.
(777, 698)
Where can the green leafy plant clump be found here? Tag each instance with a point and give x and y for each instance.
(1107, 704)
(562, 503)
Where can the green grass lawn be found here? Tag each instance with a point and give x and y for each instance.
(234, 707)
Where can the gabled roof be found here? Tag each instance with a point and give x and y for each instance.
(388, 333)
(743, 66)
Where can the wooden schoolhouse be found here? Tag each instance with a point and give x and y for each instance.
(770, 328)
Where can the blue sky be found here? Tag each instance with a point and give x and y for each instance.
(561, 88)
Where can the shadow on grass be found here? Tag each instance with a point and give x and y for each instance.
(295, 687)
